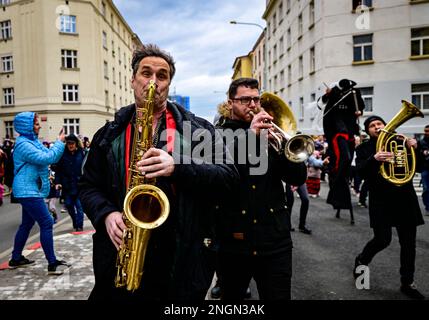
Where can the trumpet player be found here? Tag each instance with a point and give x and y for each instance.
(175, 262)
(254, 226)
(389, 206)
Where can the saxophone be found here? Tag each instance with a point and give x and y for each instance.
(145, 206)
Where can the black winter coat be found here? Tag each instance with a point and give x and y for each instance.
(389, 205)
(68, 171)
(176, 265)
(255, 219)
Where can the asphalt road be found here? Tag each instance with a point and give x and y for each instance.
(322, 262)
(10, 219)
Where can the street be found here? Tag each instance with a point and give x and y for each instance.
(322, 262)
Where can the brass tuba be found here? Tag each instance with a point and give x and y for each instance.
(401, 169)
(145, 206)
(296, 147)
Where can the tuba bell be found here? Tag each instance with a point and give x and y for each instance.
(296, 147)
(145, 206)
(403, 165)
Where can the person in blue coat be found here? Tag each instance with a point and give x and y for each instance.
(30, 187)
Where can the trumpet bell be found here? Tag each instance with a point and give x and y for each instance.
(299, 148)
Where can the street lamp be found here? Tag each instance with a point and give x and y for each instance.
(265, 50)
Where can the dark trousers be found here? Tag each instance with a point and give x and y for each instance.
(407, 241)
(305, 202)
(363, 192)
(272, 275)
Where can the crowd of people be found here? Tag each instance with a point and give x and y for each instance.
(231, 217)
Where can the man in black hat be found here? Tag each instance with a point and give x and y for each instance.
(342, 105)
(389, 206)
(68, 172)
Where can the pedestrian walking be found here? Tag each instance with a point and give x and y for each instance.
(68, 172)
(30, 188)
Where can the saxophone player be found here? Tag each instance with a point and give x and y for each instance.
(175, 263)
(389, 206)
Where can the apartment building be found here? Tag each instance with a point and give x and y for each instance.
(383, 45)
(69, 61)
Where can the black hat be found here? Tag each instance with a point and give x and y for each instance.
(345, 84)
(371, 119)
(72, 137)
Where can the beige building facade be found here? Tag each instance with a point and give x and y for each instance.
(69, 61)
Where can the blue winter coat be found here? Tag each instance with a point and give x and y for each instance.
(31, 159)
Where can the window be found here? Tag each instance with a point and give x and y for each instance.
(282, 78)
(420, 41)
(7, 63)
(312, 60)
(70, 93)
(420, 95)
(69, 59)
(8, 96)
(120, 81)
(113, 75)
(280, 12)
(104, 40)
(311, 13)
(114, 101)
(259, 57)
(9, 129)
(119, 55)
(281, 46)
(362, 48)
(103, 9)
(113, 48)
(71, 126)
(106, 70)
(367, 94)
(357, 3)
(6, 29)
(287, 6)
(312, 97)
(289, 75)
(289, 39)
(125, 83)
(68, 24)
(301, 68)
(299, 26)
(275, 53)
(301, 108)
(106, 98)
(125, 60)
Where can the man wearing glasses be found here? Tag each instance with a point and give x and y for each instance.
(254, 223)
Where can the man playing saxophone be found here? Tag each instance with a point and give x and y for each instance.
(389, 206)
(175, 265)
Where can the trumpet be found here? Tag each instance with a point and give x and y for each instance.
(297, 148)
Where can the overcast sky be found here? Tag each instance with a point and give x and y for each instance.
(200, 38)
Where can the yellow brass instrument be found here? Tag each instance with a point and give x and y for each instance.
(296, 147)
(401, 169)
(145, 206)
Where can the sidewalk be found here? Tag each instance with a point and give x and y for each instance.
(33, 283)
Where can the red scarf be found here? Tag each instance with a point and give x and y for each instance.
(171, 130)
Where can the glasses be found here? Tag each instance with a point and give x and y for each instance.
(246, 100)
